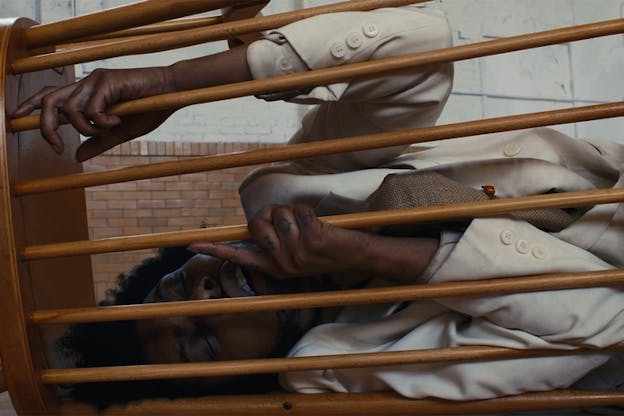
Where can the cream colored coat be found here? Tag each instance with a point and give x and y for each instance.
(516, 163)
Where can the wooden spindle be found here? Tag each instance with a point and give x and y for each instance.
(190, 37)
(358, 404)
(162, 27)
(278, 365)
(487, 287)
(305, 150)
(138, 14)
(346, 72)
(357, 220)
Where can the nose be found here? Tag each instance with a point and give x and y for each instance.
(209, 288)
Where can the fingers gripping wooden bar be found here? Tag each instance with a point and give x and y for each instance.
(305, 150)
(278, 365)
(190, 37)
(346, 72)
(358, 220)
(329, 299)
(141, 13)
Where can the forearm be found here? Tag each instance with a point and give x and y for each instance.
(396, 259)
(208, 71)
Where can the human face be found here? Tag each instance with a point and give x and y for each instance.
(212, 337)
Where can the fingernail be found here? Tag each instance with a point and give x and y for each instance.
(57, 148)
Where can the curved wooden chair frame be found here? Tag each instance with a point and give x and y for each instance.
(44, 246)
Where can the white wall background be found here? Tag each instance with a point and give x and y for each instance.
(560, 76)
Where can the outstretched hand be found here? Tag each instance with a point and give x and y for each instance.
(84, 104)
(291, 242)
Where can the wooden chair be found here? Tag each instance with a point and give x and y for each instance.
(44, 246)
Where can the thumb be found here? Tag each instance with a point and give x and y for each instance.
(96, 145)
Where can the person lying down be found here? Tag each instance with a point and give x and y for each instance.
(293, 251)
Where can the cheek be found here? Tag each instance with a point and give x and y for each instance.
(248, 335)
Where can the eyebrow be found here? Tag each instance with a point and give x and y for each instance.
(177, 333)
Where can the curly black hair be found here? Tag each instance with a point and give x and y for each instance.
(102, 344)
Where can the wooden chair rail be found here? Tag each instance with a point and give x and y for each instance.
(280, 365)
(3, 385)
(486, 287)
(346, 72)
(354, 404)
(305, 150)
(138, 14)
(161, 27)
(158, 43)
(356, 220)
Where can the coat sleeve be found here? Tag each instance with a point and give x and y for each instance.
(488, 248)
(499, 247)
(404, 99)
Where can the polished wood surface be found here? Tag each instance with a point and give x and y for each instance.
(356, 220)
(34, 220)
(354, 404)
(3, 386)
(517, 284)
(21, 359)
(346, 72)
(162, 27)
(141, 13)
(306, 150)
(280, 365)
(157, 43)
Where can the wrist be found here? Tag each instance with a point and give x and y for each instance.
(169, 79)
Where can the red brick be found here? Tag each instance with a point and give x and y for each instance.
(137, 230)
(165, 195)
(149, 185)
(231, 203)
(106, 195)
(179, 186)
(124, 186)
(122, 222)
(207, 203)
(182, 221)
(136, 195)
(192, 212)
(96, 204)
(151, 203)
(233, 220)
(105, 213)
(179, 203)
(98, 222)
(107, 232)
(194, 195)
(137, 213)
(152, 221)
(122, 204)
(169, 212)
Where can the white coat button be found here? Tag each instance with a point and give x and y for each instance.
(512, 149)
(507, 237)
(370, 30)
(354, 40)
(522, 246)
(539, 252)
(285, 64)
(329, 375)
(338, 50)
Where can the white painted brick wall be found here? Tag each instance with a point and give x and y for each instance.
(560, 76)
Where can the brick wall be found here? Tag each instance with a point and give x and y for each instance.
(173, 203)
